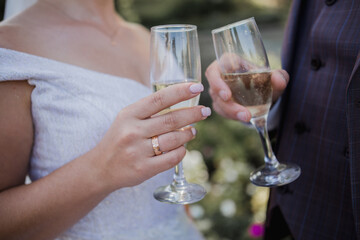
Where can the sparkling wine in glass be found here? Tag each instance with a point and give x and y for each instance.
(174, 59)
(245, 69)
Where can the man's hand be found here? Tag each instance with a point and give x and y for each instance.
(221, 94)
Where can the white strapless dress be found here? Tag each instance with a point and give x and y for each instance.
(72, 108)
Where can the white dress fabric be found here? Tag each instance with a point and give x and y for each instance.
(72, 108)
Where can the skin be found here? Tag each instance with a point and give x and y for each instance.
(221, 94)
(123, 158)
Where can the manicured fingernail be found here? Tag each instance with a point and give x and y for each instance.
(206, 111)
(242, 116)
(224, 96)
(193, 130)
(196, 88)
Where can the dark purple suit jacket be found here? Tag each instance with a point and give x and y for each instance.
(320, 124)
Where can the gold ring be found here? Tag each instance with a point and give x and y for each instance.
(155, 145)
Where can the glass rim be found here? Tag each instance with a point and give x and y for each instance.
(174, 28)
(231, 25)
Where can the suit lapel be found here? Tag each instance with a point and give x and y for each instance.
(353, 121)
(290, 39)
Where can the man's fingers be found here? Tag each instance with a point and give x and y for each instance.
(230, 109)
(217, 85)
(279, 81)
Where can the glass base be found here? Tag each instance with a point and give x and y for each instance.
(267, 176)
(180, 194)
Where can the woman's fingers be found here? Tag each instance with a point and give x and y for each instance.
(171, 140)
(163, 99)
(175, 120)
(172, 146)
(217, 85)
(163, 162)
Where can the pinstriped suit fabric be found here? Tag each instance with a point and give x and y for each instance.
(320, 128)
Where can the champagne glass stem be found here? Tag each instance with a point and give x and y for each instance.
(260, 123)
(179, 177)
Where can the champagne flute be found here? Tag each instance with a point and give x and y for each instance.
(245, 69)
(174, 59)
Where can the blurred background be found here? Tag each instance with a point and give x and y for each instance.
(224, 151)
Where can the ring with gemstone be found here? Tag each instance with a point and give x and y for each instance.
(155, 145)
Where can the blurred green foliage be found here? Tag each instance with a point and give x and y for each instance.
(230, 151)
(203, 13)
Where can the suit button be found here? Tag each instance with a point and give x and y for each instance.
(301, 128)
(330, 2)
(315, 64)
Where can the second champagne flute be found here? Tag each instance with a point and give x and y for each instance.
(174, 59)
(245, 69)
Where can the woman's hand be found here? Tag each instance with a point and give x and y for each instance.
(127, 157)
(221, 94)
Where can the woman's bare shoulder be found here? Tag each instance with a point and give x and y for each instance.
(140, 31)
(8, 34)
(19, 32)
(14, 34)
(140, 28)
